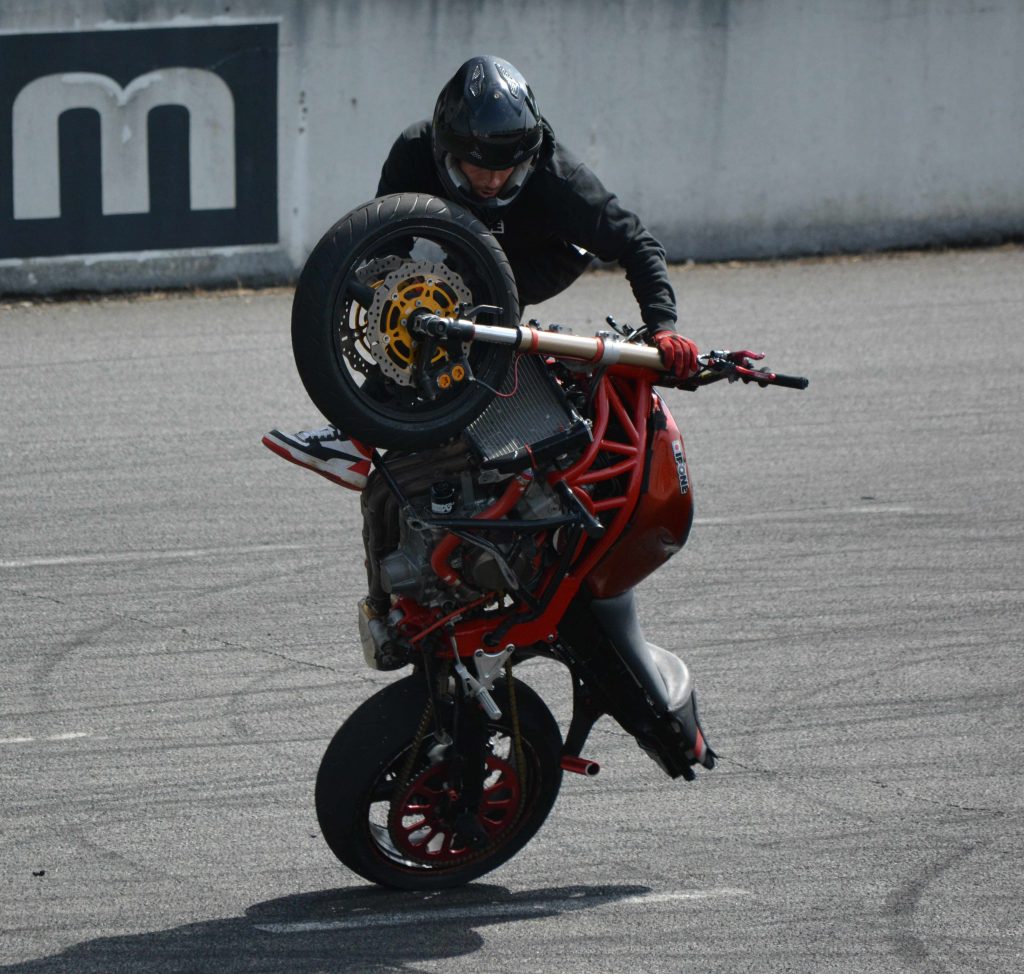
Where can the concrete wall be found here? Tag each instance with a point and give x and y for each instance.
(748, 128)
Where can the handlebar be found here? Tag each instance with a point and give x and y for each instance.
(602, 350)
(716, 365)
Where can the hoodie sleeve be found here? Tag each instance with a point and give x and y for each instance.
(629, 242)
(613, 233)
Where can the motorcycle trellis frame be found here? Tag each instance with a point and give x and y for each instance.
(540, 623)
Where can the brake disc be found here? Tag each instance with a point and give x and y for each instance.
(374, 271)
(353, 325)
(411, 286)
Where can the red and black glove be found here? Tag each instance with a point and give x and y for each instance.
(678, 353)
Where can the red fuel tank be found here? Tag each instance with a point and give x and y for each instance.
(661, 522)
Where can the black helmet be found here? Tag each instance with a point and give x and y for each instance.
(487, 116)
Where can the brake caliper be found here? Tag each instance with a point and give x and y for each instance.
(427, 364)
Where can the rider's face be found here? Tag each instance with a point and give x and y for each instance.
(486, 183)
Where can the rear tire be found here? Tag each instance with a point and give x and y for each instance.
(333, 335)
(356, 788)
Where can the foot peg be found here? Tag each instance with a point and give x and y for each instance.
(578, 765)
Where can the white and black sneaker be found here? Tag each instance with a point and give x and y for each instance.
(325, 451)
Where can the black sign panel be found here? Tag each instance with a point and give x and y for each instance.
(138, 139)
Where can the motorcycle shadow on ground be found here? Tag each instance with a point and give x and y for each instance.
(364, 929)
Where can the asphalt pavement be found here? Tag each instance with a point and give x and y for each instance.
(177, 647)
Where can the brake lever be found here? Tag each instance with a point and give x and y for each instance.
(471, 312)
(733, 365)
(716, 365)
(744, 370)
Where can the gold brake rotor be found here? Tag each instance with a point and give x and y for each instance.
(413, 286)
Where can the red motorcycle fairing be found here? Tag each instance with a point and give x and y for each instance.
(661, 522)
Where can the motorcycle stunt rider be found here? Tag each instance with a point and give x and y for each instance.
(489, 149)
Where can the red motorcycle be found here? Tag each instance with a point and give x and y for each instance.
(532, 478)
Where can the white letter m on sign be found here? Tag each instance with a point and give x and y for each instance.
(124, 138)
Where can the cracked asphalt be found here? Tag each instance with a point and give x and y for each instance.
(178, 645)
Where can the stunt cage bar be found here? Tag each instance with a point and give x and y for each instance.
(599, 351)
(614, 434)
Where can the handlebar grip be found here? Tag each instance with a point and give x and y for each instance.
(791, 381)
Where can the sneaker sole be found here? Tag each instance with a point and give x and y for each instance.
(360, 470)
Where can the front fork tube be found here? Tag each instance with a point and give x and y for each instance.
(468, 768)
(473, 707)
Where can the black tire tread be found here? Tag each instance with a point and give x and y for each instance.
(368, 742)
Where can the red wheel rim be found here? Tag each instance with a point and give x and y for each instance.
(422, 827)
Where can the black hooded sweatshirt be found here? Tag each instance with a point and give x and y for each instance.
(562, 209)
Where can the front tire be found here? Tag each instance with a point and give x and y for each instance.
(357, 292)
(395, 833)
